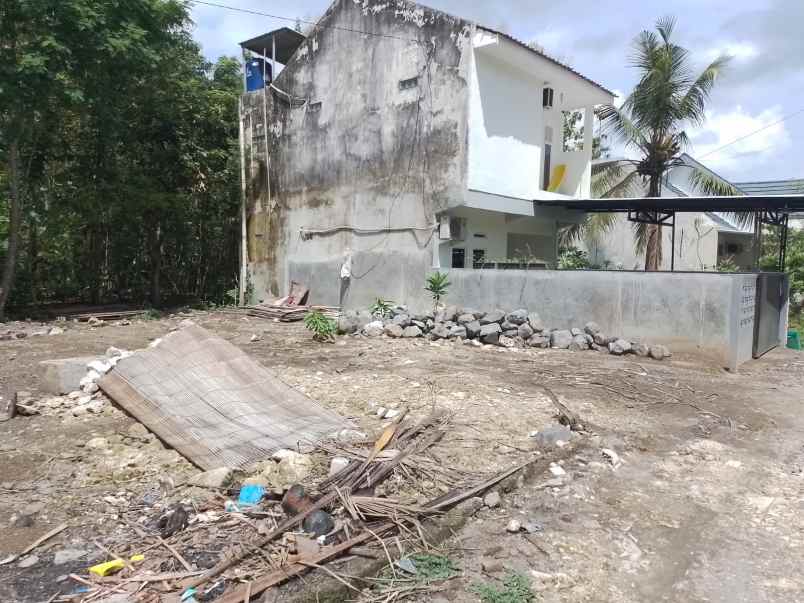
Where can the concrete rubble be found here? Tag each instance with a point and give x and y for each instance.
(519, 328)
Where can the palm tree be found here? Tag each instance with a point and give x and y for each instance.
(652, 121)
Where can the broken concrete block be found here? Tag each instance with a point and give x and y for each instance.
(65, 375)
(217, 478)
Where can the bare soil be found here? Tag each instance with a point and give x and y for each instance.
(706, 505)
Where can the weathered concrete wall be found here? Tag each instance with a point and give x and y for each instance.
(360, 169)
(709, 314)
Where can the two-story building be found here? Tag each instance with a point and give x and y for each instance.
(394, 139)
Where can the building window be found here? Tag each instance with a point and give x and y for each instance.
(458, 258)
(548, 148)
(409, 84)
(478, 257)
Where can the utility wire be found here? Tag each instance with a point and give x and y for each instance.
(762, 129)
(296, 20)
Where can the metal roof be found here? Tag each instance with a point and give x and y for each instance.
(778, 203)
(773, 187)
(546, 56)
(287, 42)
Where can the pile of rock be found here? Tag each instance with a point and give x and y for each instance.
(519, 328)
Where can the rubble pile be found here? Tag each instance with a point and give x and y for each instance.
(517, 329)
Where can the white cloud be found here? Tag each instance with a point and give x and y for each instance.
(763, 138)
(739, 51)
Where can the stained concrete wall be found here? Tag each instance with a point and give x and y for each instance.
(359, 168)
(708, 314)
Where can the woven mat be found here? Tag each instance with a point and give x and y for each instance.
(214, 404)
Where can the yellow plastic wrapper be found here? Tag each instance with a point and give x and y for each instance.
(112, 567)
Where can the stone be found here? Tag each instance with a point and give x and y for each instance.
(291, 470)
(456, 332)
(602, 339)
(659, 352)
(473, 329)
(374, 329)
(560, 340)
(90, 388)
(539, 341)
(440, 332)
(490, 565)
(113, 352)
(517, 317)
(592, 328)
(465, 319)
(579, 343)
(56, 331)
(451, 313)
(513, 527)
(490, 333)
(392, 413)
(68, 555)
(412, 332)
(216, 478)
(496, 316)
(139, 431)
(576, 332)
(63, 376)
(535, 322)
(508, 326)
(471, 506)
(351, 436)
(28, 561)
(620, 347)
(640, 349)
(394, 330)
(525, 331)
(401, 320)
(557, 470)
(553, 436)
(96, 406)
(338, 464)
(506, 342)
(351, 322)
(98, 444)
(492, 500)
(510, 333)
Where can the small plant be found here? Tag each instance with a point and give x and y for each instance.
(573, 259)
(727, 264)
(322, 327)
(438, 285)
(433, 568)
(382, 308)
(516, 589)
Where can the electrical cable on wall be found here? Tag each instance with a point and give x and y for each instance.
(309, 233)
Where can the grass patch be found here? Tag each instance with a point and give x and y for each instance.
(433, 568)
(515, 589)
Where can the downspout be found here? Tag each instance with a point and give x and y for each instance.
(243, 212)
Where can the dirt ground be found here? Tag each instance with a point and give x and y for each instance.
(705, 504)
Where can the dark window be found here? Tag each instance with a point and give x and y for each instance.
(478, 256)
(547, 150)
(459, 258)
(409, 83)
(547, 97)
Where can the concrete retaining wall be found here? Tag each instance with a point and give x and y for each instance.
(710, 314)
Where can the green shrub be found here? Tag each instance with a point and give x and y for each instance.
(322, 327)
(516, 589)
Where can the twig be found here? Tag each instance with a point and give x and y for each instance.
(331, 573)
(36, 543)
(176, 554)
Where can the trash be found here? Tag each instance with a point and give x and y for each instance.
(319, 523)
(250, 495)
(612, 457)
(296, 500)
(337, 464)
(175, 520)
(407, 565)
(189, 596)
(219, 384)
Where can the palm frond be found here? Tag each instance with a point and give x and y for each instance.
(709, 184)
(629, 186)
(591, 229)
(665, 26)
(693, 105)
(640, 237)
(619, 123)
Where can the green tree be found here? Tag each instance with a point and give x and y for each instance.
(668, 98)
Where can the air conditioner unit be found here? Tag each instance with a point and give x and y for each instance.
(457, 229)
(548, 96)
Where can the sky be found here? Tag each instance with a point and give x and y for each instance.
(762, 89)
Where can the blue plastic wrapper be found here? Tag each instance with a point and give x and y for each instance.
(250, 495)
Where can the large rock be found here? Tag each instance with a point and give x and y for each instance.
(506, 342)
(490, 333)
(509, 326)
(456, 332)
(576, 332)
(525, 331)
(641, 349)
(441, 331)
(412, 332)
(465, 319)
(394, 330)
(374, 329)
(217, 478)
(535, 322)
(592, 328)
(401, 320)
(603, 340)
(560, 340)
(351, 322)
(553, 436)
(473, 329)
(659, 352)
(579, 343)
(620, 347)
(539, 341)
(496, 316)
(64, 376)
(517, 317)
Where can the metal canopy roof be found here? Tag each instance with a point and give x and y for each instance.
(774, 203)
(287, 42)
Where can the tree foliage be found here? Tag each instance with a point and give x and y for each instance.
(117, 154)
(669, 98)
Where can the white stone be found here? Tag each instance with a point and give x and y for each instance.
(216, 478)
(557, 470)
(98, 443)
(90, 388)
(56, 331)
(392, 413)
(99, 367)
(612, 457)
(338, 464)
(514, 526)
(91, 377)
